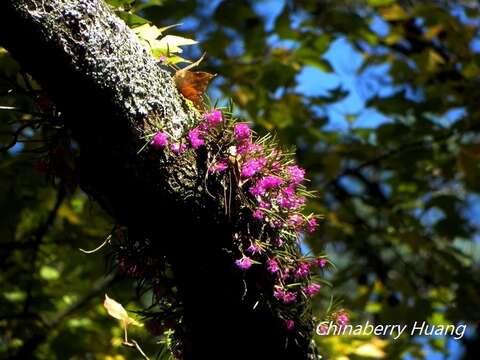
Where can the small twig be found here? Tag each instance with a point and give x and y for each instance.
(16, 109)
(38, 237)
(192, 65)
(98, 287)
(134, 344)
(107, 240)
(29, 86)
(16, 135)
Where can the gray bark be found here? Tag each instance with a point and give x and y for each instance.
(112, 93)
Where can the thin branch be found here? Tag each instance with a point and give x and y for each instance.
(22, 111)
(16, 135)
(386, 155)
(30, 345)
(98, 287)
(38, 238)
(133, 343)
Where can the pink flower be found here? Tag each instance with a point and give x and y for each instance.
(289, 297)
(288, 191)
(312, 289)
(342, 318)
(270, 182)
(219, 166)
(128, 267)
(272, 266)
(303, 270)
(264, 205)
(213, 118)
(311, 225)
(296, 174)
(257, 190)
(276, 223)
(287, 201)
(178, 148)
(195, 138)
(322, 329)
(241, 131)
(289, 325)
(296, 221)
(286, 297)
(160, 140)
(254, 249)
(276, 165)
(258, 214)
(265, 184)
(244, 263)
(252, 166)
(278, 293)
(321, 262)
(246, 147)
(286, 274)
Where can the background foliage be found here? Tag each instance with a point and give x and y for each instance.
(380, 98)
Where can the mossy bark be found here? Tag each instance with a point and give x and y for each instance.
(112, 94)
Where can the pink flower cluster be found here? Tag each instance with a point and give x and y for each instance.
(342, 318)
(210, 121)
(272, 266)
(287, 297)
(312, 289)
(273, 185)
(219, 166)
(160, 140)
(253, 166)
(300, 273)
(242, 132)
(275, 201)
(303, 270)
(244, 263)
(196, 136)
(289, 324)
(178, 148)
(254, 249)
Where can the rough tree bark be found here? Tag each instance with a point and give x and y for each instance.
(112, 93)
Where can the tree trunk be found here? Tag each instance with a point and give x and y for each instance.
(112, 93)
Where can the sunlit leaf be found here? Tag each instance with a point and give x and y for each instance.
(117, 311)
(49, 273)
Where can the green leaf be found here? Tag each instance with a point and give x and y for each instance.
(379, 3)
(311, 57)
(49, 273)
(15, 296)
(121, 3)
(131, 19)
(394, 13)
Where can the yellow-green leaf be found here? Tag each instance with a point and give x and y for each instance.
(370, 351)
(172, 43)
(117, 311)
(49, 273)
(394, 13)
(380, 2)
(148, 32)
